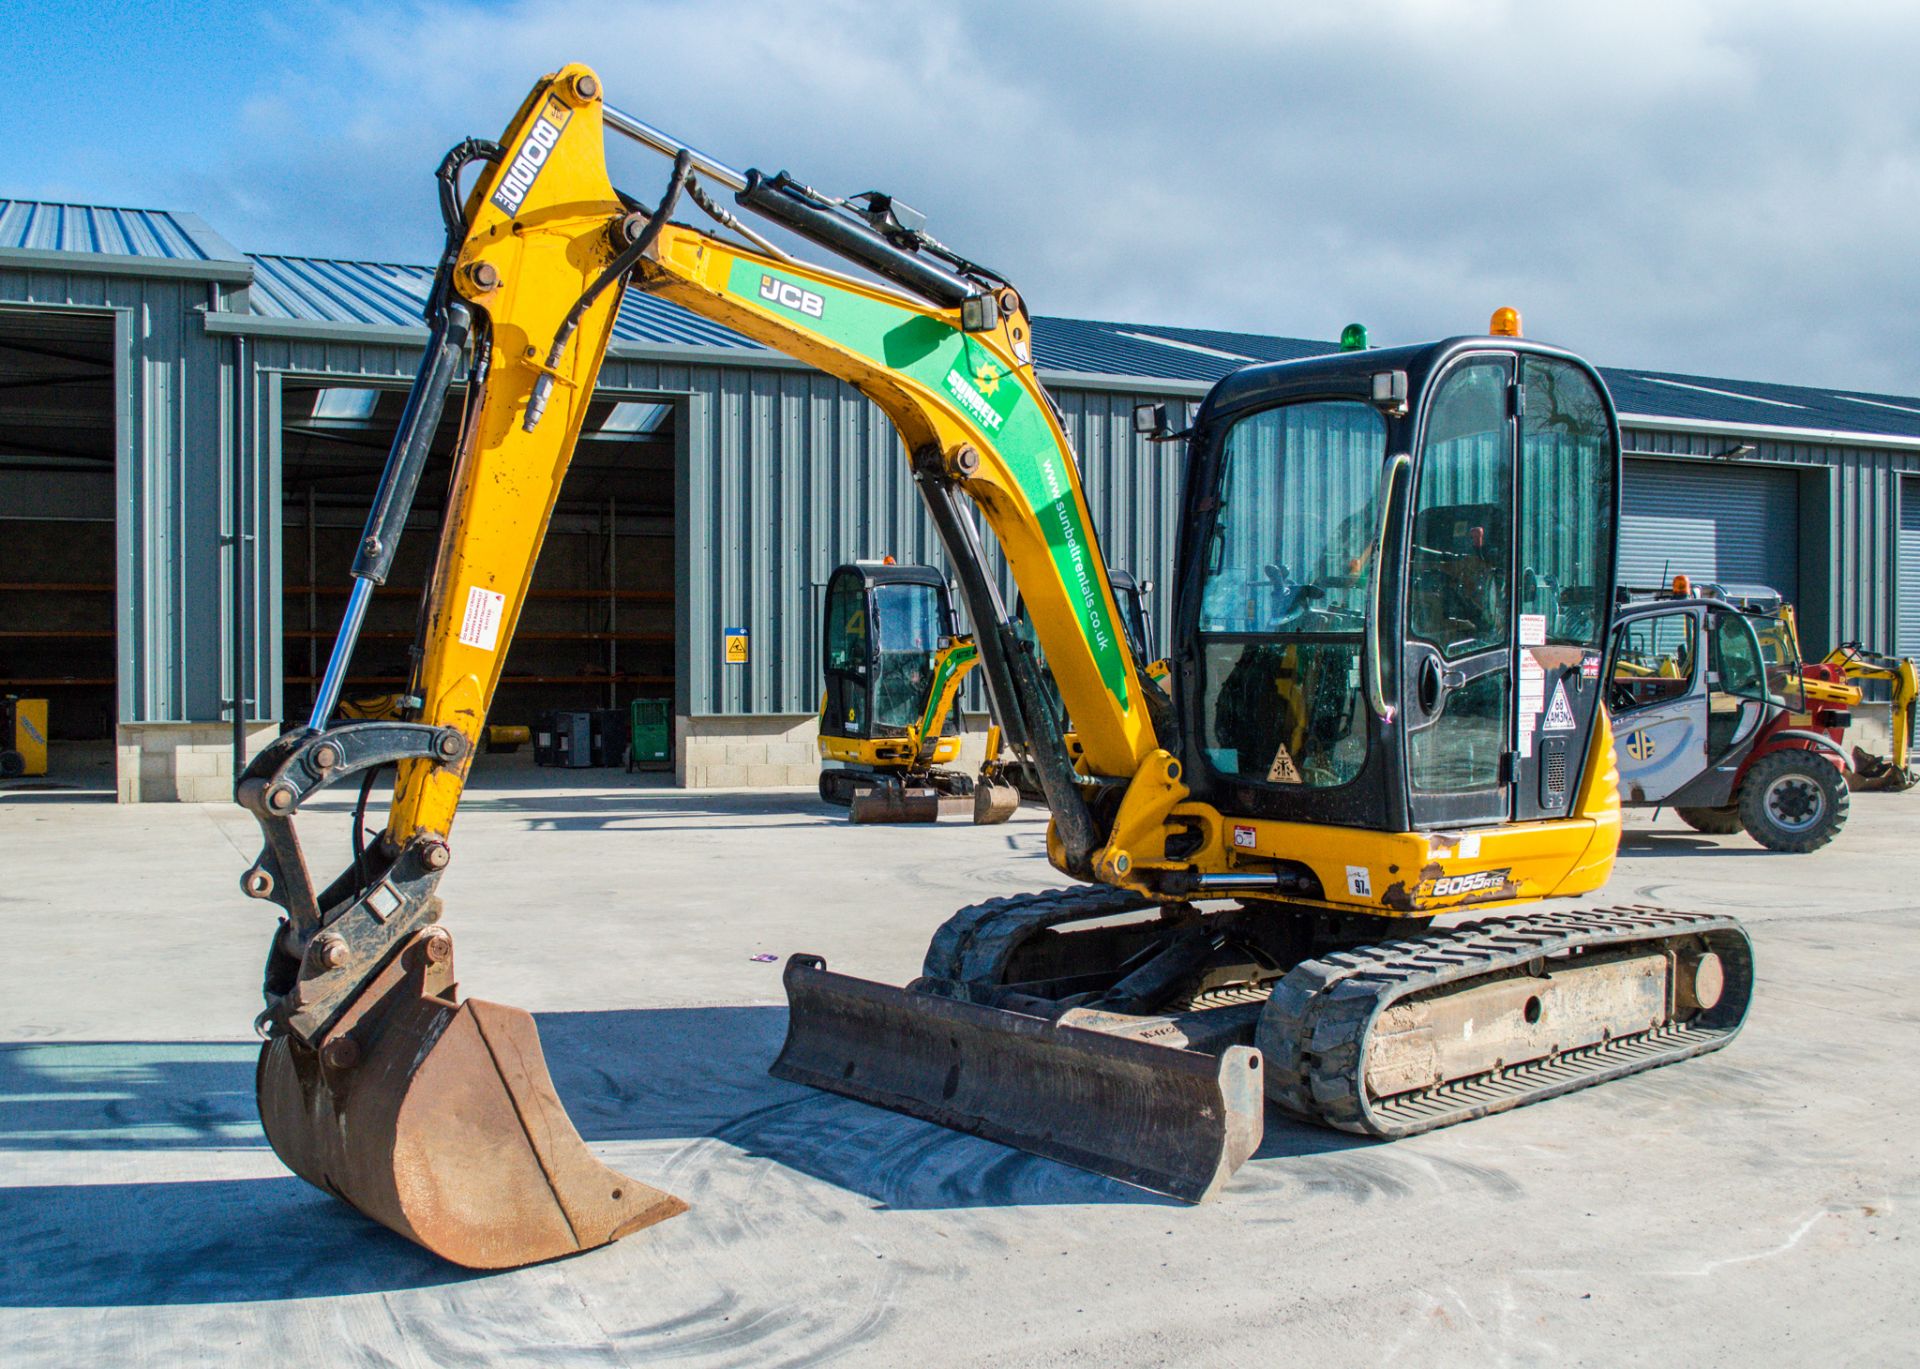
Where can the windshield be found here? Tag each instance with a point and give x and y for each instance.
(907, 631)
(1285, 593)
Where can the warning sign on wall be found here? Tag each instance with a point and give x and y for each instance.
(733, 641)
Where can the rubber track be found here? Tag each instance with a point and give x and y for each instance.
(1314, 1032)
(975, 943)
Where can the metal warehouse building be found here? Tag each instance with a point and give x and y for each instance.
(189, 437)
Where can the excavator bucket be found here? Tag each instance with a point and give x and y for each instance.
(438, 1119)
(1174, 1121)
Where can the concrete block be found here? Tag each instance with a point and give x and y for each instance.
(205, 789)
(703, 753)
(199, 762)
(808, 775)
(766, 776)
(746, 753)
(722, 777)
(790, 753)
(156, 768)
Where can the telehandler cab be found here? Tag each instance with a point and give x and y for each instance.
(1353, 747)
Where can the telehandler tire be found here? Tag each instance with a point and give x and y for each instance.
(1793, 801)
(1715, 822)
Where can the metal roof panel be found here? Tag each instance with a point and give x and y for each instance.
(41, 226)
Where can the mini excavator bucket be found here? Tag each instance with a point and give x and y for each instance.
(438, 1119)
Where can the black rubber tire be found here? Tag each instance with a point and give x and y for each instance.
(12, 763)
(1715, 822)
(1828, 813)
(836, 788)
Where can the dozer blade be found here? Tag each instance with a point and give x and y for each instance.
(1174, 1121)
(439, 1119)
(890, 803)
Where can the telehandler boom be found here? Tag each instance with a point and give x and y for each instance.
(1393, 586)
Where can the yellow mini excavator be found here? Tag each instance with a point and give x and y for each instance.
(1393, 589)
(894, 662)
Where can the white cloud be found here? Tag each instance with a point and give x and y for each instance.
(1726, 188)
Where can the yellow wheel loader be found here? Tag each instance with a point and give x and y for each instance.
(1393, 586)
(894, 663)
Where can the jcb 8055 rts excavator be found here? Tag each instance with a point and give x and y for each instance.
(894, 663)
(1394, 578)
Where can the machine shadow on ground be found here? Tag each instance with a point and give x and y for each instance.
(694, 1075)
(1666, 845)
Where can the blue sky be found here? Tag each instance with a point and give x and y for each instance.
(1728, 187)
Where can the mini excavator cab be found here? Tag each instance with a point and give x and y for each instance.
(1487, 475)
(894, 662)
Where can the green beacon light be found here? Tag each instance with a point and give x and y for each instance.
(1353, 338)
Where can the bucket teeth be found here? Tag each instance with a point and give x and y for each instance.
(440, 1121)
(1170, 1120)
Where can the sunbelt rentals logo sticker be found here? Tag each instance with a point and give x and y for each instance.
(982, 387)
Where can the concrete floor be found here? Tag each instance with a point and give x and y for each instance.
(1757, 1205)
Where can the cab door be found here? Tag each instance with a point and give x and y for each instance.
(1658, 700)
(1457, 665)
(1509, 589)
(847, 657)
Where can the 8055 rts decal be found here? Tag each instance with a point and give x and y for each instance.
(535, 148)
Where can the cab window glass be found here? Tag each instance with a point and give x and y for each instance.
(1285, 593)
(847, 625)
(907, 637)
(1653, 661)
(1566, 462)
(1458, 565)
(1737, 664)
(1458, 572)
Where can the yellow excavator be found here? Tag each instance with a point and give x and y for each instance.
(894, 663)
(1894, 771)
(1394, 582)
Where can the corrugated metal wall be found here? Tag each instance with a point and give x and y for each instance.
(1849, 512)
(175, 507)
(784, 473)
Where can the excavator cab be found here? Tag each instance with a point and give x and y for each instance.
(894, 662)
(1393, 578)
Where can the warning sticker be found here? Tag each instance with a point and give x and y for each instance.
(1283, 770)
(733, 641)
(1533, 629)
(1359, 881)
(480, 626)
(1243, 836)
(1533, 687)
(1559, 713)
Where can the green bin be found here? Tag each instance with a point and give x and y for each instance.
(651, 727)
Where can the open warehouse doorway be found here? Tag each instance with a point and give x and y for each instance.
(58, 442)
(597, 630)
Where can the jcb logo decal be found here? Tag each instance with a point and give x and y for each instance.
(790, 296)
(535, 148)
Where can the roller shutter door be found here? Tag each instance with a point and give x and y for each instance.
(1907, 604)
(1732, 524)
